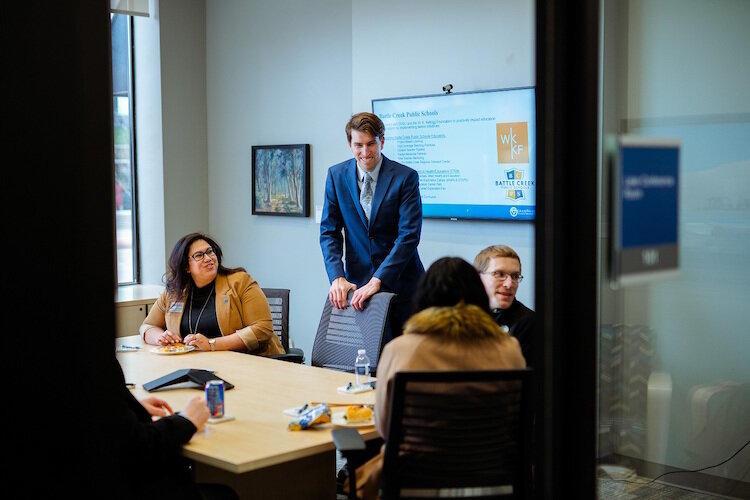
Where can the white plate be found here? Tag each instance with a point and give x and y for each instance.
(339, 420)
(177, 350)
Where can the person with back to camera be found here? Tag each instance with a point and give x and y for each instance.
(376, 202)
(499, 267)
(209, 306)
(450, 330)
(150, 436)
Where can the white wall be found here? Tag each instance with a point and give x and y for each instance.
(277, 73)
(171, 130)
(149, 153)
(293, 71)
(184, 131)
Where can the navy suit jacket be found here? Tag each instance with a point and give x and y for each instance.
(387, 247)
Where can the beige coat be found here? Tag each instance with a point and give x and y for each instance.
(241, 307)
(444, 338)
(438, 338)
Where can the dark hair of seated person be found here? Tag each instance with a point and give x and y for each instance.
(177, 277)
(448, 281)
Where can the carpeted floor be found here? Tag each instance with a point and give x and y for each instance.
(610, 489)
(621, 483)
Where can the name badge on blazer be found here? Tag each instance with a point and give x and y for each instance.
(176, 307)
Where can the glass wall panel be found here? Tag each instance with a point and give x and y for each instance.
(674, 388)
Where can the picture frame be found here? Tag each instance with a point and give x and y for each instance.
(281, 180)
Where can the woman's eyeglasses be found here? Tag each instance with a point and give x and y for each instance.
(199, 256)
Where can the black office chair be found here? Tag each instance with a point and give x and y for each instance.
(342, 332)
(278, 301)
(459, 430)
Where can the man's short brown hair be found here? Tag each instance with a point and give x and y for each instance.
(483, 258)
(365, 122)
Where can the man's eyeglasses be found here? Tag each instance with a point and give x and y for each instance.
(198, 256)
(502, 276)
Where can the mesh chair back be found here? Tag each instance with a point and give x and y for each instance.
(468, 430)
(278, 301)
(342, 332)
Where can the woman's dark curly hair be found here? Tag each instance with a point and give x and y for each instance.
(177, 278)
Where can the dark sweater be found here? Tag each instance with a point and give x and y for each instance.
(149, 453)
(520, 322)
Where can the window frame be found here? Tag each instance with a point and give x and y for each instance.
(136, 274)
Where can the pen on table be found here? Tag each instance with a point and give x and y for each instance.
(128, 348)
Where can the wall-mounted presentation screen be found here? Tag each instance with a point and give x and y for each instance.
(475, 151)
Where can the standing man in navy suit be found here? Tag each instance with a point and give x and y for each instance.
(376, 202)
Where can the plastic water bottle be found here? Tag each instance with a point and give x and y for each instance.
(362, 368)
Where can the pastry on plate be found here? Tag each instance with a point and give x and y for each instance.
(176, 347)
(356, 414)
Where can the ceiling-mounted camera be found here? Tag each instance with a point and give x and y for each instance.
(447, 88)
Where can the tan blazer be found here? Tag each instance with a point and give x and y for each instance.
(241, 307)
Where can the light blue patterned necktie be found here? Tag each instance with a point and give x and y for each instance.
(365, 197)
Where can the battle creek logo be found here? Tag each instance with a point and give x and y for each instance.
(513, 212)
(514, 175)
(514, 194)
(512, 142)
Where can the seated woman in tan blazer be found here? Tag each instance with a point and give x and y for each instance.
(209, 306)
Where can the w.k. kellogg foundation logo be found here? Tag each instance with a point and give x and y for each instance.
(512, 142)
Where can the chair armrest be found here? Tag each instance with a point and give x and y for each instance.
(347, 440)
(351, 445)
(297, 352)
(293, 356)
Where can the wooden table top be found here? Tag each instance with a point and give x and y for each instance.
(263, 388)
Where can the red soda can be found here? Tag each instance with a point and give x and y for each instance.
(215, 398)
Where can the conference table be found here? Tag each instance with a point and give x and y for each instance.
(255, 453)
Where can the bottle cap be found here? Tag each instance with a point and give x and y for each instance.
(361, 351)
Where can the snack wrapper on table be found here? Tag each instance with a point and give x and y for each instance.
(319, 414)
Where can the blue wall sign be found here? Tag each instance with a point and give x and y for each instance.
(645, 225)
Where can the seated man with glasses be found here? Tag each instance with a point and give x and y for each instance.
(499, 267)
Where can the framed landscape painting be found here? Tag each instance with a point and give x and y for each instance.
(281, 180)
